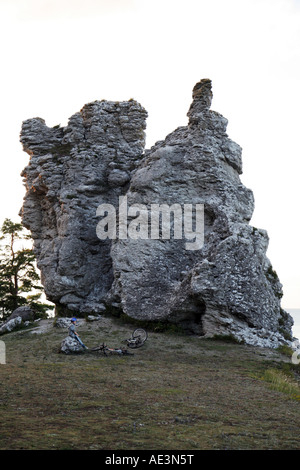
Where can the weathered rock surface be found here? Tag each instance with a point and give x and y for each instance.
(21, 316)
(62, 322)
(10, 325)
(25, 312)
(70, 345)
(226, 287)
(71, 171)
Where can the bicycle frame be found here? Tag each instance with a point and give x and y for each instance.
(138, 338)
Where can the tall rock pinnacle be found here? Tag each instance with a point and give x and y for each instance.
(202, 98)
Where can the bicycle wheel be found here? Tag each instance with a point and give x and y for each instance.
(140, 335)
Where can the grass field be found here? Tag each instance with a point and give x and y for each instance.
(176, 392)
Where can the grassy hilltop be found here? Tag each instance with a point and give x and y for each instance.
(176, 392)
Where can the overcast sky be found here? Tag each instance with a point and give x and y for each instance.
(57, 55)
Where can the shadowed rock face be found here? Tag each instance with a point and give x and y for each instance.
(227, 286)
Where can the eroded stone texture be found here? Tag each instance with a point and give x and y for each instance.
(229, 285)
(226, 287)
(72, 171)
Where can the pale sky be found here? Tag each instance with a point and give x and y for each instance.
(57, 55)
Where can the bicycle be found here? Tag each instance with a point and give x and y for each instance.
(138, 338)
(103, 348)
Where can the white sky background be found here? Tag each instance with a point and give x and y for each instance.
(57, 55)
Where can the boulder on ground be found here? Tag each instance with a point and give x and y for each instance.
(25, 312)
(10, 325)
(70, 345)
(62, 322)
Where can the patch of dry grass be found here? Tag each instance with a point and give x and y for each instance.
(175, 393)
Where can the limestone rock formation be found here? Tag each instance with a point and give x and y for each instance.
(71, 171)
(225, 286)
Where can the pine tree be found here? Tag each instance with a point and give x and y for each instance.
(18, 274)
